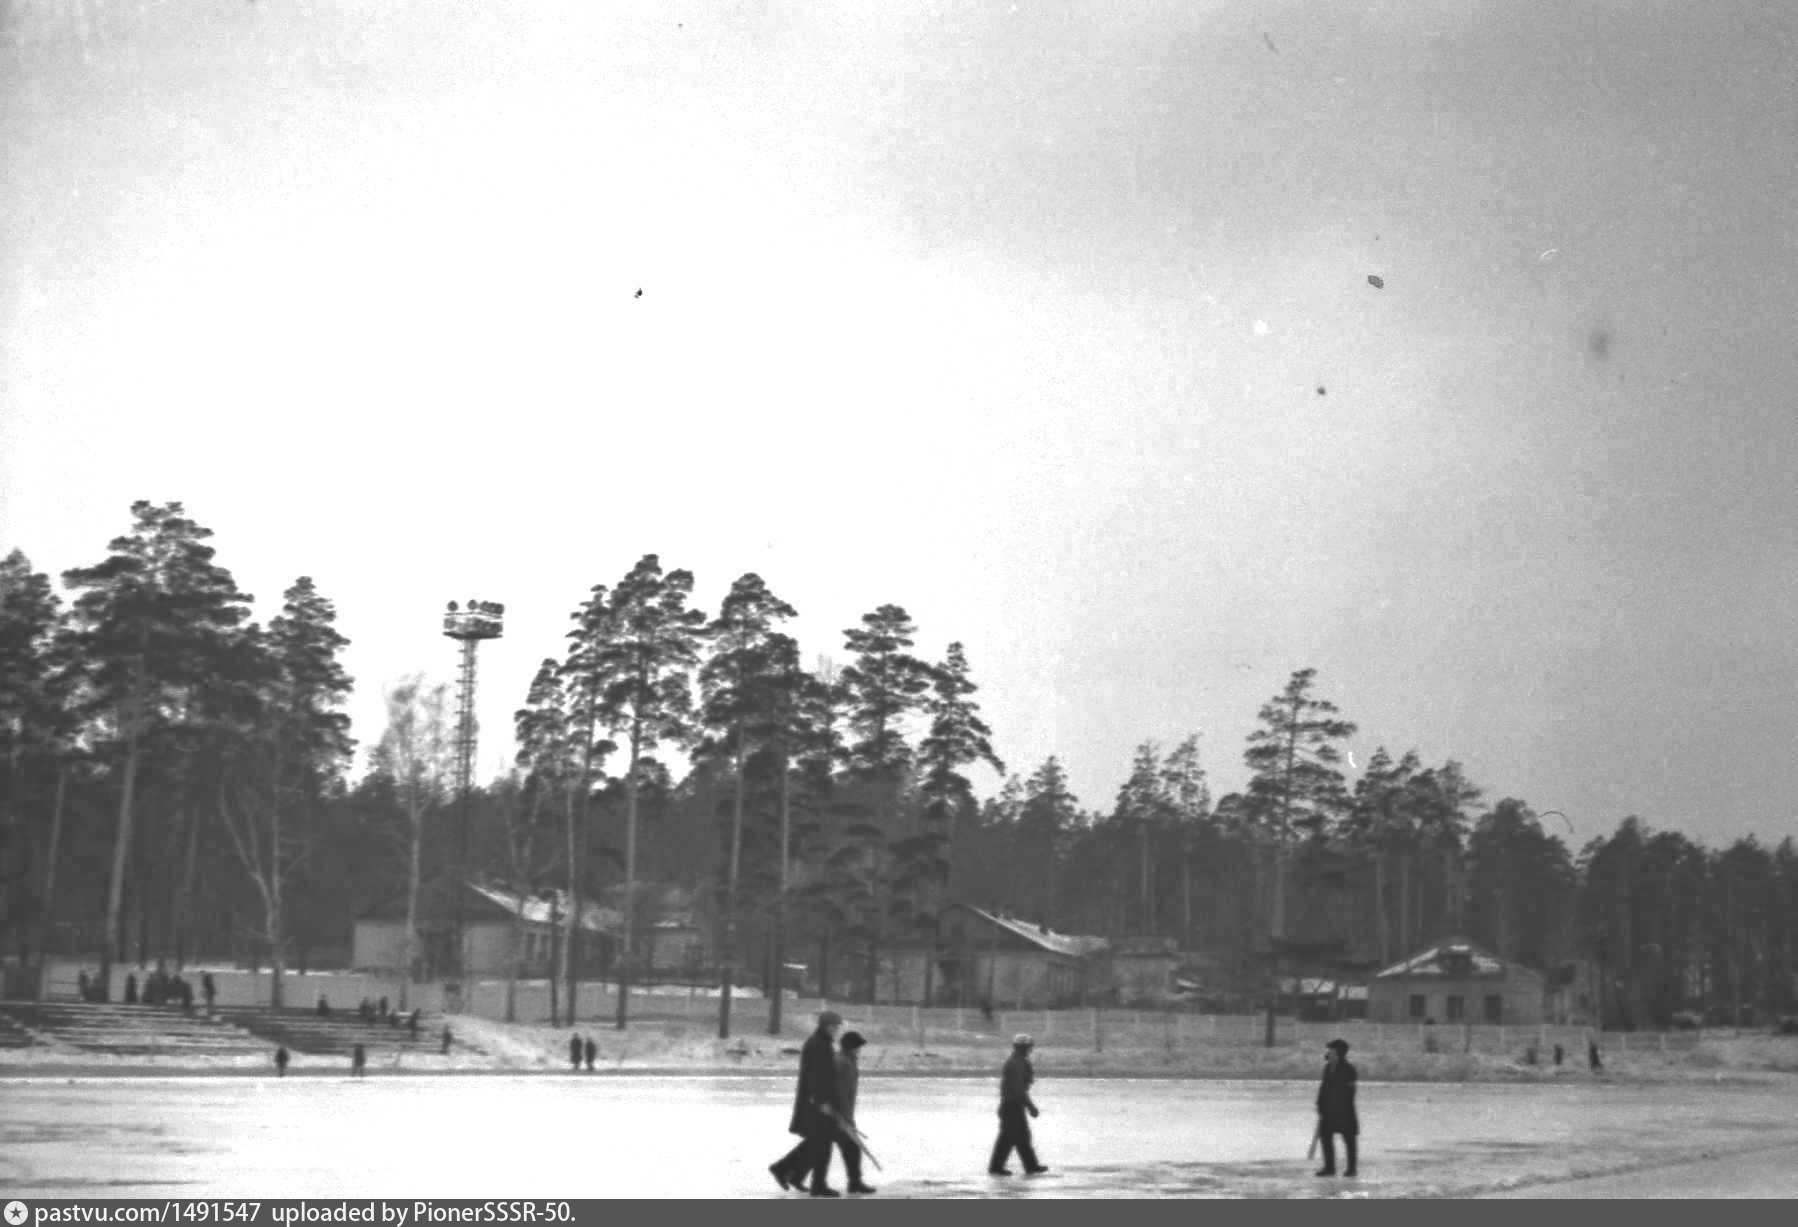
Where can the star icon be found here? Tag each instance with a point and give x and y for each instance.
(16, 1213)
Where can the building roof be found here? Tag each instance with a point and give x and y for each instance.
(1070, 945)
(1454, 958)
(536, 910)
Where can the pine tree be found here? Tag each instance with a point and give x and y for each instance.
(1293, 756)
(741, 684)
(1187, 797)
(154, 621)
(297, 745)
(958, 738)
(882, 689)
(552, 764)
(638, 659)
(1050, 814)
(34, 728)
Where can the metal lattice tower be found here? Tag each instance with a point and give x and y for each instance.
(475, 621)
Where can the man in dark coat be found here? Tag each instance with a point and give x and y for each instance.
(574, 1052)
(1336, 1108)
(814, 1111)
(1014, 1101)
(849, 1076)
(591, 1052)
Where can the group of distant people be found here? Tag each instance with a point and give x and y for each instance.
(579, 1048)
(159, 988)
(825, 1100)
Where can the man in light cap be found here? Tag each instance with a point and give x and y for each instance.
(1014, 1102)
(814, 1111)
(1336, 1108)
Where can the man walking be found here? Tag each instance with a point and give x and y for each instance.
(849, 1074)
(1014, 1101)
(814, 1111)
(1336, 1108)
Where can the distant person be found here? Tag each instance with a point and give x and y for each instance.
(366, 1010)
(986, 1010)
(324, 1007)
(186, 992)
(1560, 1054)
(131, 988)
(1015, 1080)
(383, 1009)
(281, 1060)
(412, 1023)
(81, 983)
(358, 1061)
(1336, 1108)
(1592, 1057)
(574, 1052)
(210, 987)
(446, 1040)
(814, 1112)
(592, 1051)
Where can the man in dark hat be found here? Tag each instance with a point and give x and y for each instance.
(814, 1111)
(1014, 1101)
(1336, 1108)
(849, 1074)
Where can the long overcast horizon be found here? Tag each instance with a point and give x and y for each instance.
(1152, 350)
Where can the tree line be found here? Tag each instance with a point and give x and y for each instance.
(177, 784)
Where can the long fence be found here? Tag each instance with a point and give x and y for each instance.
(919, 1027)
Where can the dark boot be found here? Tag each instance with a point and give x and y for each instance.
(1348, 1145)
(824, 1191)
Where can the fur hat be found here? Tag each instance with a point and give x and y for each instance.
(852, 1040)
(830, 1018)
(1022, 1041)
(1341, 1047)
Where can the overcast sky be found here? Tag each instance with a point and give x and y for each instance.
(1049, 322)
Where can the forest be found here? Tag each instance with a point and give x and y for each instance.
(179, 784)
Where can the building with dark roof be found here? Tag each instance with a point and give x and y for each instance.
(1455, 981)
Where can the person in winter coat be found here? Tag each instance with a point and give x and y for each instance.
(814, 1111)
(592, 1051)
(1014, 1101)
(574, 1051)
(849, 1075)
(281, 1061)
(1336, 1108)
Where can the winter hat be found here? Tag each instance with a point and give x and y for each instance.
(830, 1018)
(1341, 1047)
(1023, 1041)
(852, 1040)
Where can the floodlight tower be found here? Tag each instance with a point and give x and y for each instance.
(468, 625)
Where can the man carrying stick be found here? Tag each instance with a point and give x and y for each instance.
(848, 1138)
(1336, 1108)
(814, 1111)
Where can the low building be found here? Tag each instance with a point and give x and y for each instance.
(993, 958)
(1143, 969)
(495, 922)
(1455, 981)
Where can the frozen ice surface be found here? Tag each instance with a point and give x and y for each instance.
(599, 1135)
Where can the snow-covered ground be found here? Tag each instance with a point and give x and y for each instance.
(565, 1135)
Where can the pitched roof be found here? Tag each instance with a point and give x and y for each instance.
(1070, 945)
(536, 910)
(1453, 958)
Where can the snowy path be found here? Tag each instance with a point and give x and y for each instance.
(600, 1136)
